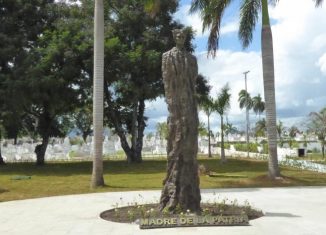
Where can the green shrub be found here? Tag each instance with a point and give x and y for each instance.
(76, 141)
(253, 147)
(227, 146)
(265, 148)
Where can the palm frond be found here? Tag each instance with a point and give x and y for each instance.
(222, 104)
(249, 12)
(207, 105)
(258, 104)
(319, 3)
(245, 100)
(198, 5)
(211, 13)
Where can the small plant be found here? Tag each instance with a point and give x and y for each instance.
(203, 170)
(117, 213)
(131, 215)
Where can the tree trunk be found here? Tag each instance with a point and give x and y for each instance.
(223, 158)
(2, 162)
(85, 134)
(269, 91)
(141, 128)
(247, 130)
(209, 138)
(40, 150)
(98, 90)
(134, 131)
(323, 149)
(181, 184)
(114, 116)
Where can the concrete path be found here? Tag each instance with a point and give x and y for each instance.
(293, 211)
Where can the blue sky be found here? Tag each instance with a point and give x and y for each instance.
(299, 40)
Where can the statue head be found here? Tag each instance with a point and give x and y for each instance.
(179, 36)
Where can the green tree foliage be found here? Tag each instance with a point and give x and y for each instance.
(260, 128)
(21, 22)
(222, 105)
(202, 89)
(229, 128)
(49, 75)
(162, 130)
(211, 14)
(82, 118)
(245, 100)
(318, 127)
(134, 46)
(258, 105)
(208, 106)
(202, 130)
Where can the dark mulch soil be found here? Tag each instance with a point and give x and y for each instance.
(130, 214)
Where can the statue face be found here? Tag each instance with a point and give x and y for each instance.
(179, 38)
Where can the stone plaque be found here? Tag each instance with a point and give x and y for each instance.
(194, 221)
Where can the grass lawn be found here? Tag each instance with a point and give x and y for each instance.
(74, 177)
(314, 157)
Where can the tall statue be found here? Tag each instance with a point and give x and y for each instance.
(181, 185)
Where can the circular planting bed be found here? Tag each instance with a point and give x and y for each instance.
(222, 213)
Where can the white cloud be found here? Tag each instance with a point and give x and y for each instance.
(299, 39)
(322, 63)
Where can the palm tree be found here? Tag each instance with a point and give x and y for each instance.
(2, 162)
(280, 130)
(211, 13)
(222, 105)
(207, 105)
(229, 129)
(318, 126)
(260, 128)
(245, 101)
(258, 105)
(97, 174)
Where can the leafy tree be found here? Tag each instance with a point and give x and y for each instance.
(202, 89)
(135, 43)
(208, 106)
(82, 118)
(162, 130)
(212, 12)
(318, 126)
(53, 83)
(21, 22)
(222, 105)
(258, 105)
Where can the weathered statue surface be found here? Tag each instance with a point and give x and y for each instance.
(181, 185)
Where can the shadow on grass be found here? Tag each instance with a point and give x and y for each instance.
(273, 214)
(3, 190)
(76, 168)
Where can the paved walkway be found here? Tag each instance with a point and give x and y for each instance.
(293, 211)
